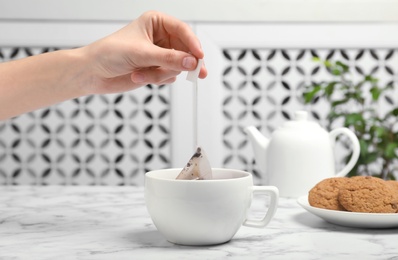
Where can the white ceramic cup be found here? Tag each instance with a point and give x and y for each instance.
(204, 212)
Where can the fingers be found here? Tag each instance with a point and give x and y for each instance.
(203, 72)
(175, 46)
(173, 60)
(180, 31)
(129, 82)
(154, 75)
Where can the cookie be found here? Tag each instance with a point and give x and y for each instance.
(368, 194)
(325, 193)
(394, 185)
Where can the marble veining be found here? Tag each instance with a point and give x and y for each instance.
(98, 222)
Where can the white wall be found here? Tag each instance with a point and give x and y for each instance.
(205, 10)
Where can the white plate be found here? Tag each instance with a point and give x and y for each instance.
(352, 219)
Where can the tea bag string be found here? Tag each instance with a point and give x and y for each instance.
(195, 112)
(193, 77)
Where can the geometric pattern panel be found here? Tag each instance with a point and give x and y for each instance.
(264, 87)
(94, 140)
(114, 139)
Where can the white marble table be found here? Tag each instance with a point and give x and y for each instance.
(112, 223)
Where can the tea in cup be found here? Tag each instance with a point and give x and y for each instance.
(204, 212)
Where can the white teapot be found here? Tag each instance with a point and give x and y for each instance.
(299, 154)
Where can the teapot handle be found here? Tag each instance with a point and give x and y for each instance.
(355, 148)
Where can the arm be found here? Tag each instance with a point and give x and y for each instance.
(40, 81)
(154, 48)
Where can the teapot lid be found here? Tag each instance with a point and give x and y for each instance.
(300, 120)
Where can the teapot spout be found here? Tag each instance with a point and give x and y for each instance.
(260, 144)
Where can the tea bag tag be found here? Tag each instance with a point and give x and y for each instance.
(194, 74)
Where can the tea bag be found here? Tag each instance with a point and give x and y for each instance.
(197, 168)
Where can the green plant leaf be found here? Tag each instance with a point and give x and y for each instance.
(379, 131)
(378, 142)
(336, 71)
(355, 95)
(310, 95)
(364, 146)
(375, 91)
(358, 95)
(354, 119)
(316, 59)
(371, 79)
(371, 157)
(340, 102)
(333, 115)
(330, 89)
(344, 67)
(389, 151)
(394, 112)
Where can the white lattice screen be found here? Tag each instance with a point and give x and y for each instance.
(264, 87)
(115, 139)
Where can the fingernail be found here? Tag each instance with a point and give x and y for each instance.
(189, 62)
(138, 77)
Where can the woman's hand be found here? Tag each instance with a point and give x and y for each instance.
(154, 48)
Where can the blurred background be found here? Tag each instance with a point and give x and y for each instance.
(259, 55)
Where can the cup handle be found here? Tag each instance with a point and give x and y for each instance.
(355, 149)
(274, 194)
